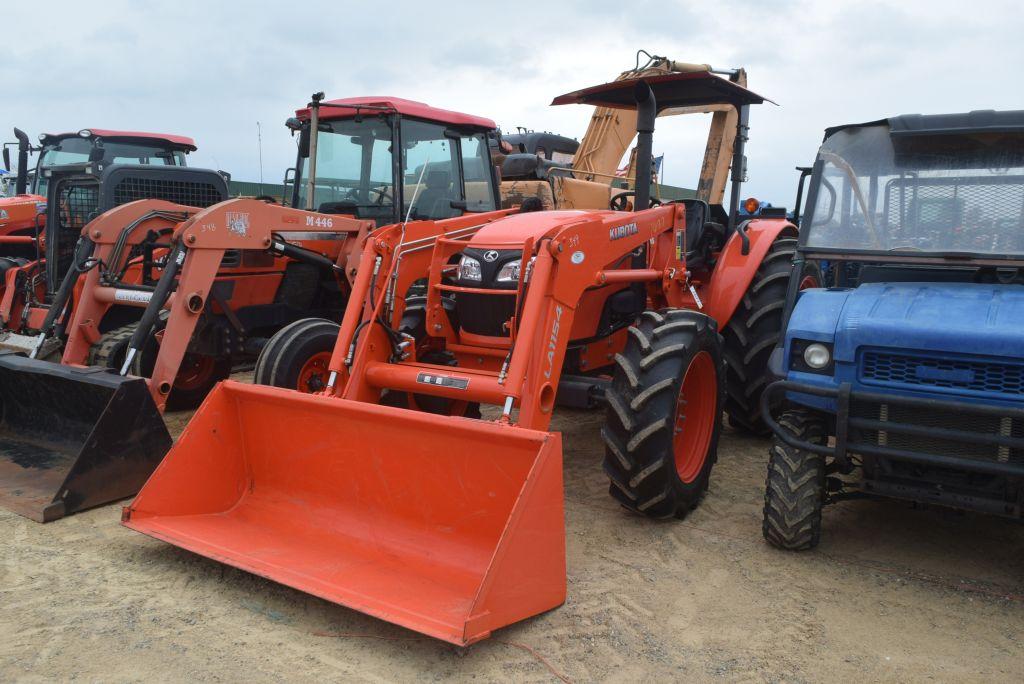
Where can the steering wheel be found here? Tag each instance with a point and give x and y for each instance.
(382, 194)
(619, 202)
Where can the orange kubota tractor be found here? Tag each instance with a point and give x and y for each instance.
(200, 289)
(384, 492)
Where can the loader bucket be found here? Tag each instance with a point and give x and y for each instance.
(72, 438)
(452, 527)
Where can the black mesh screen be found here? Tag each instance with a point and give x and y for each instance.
(190, 193)
(977, 213)
(77, 203)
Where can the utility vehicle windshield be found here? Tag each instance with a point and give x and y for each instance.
(918, 194)
(354, 171)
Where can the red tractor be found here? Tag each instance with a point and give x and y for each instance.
(386, 490)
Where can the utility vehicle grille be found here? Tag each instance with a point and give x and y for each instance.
(188, 193)
(938, 420)
(979, 377)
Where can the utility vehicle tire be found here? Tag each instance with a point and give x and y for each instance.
(664, 413)
(196, 376)
(795, 487)
(754, 330)
(297, 356)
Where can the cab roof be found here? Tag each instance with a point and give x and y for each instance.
(179, 141)
(350, 106)
(978, 121)
(692, 89)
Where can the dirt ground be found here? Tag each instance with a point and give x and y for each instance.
(893, 594)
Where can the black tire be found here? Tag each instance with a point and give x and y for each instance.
(639, 428)
(753, 331)
(181, 398)
(794, 491)
(281, 361)
(110, 349)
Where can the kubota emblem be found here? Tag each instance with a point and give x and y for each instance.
(238, 223)
(619, 232)
(490, 255)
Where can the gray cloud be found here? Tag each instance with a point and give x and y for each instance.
(213, 69)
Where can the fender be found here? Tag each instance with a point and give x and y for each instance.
(734, 271)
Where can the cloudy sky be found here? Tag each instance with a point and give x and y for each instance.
(212, 69)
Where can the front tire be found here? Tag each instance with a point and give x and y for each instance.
(298, 355)
(664, 413)
(795, 487)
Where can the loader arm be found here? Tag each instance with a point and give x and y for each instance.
(566, 261)
(203, 240)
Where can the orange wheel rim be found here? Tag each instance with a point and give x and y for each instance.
(695, 417)
(195, 371)
(313, 374)
(808, 281)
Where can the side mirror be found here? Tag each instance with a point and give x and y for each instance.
(7, 159)
(96, 153)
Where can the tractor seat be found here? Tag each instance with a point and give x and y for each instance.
(435, 200)
(703, 235)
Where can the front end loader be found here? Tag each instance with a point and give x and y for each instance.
(386, 491)
(385, 494)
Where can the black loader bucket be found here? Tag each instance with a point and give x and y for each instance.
(73, 438)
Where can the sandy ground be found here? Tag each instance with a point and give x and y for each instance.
(893, 594)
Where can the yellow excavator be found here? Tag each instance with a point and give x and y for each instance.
(590, 182)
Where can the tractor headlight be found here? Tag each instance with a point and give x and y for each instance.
(469, 269)
(509, 273)
(817, 356)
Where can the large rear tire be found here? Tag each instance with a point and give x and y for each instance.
(664, 413)
(297, 356)
(754, 330)
(794, 491)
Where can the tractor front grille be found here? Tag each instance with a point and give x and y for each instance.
(189, 193)
(973, 376)
(937, 420)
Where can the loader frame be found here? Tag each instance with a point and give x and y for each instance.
(193, 265)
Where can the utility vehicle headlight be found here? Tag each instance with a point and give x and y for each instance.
(469, 269)
(817, 356)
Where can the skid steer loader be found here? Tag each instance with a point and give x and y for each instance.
(385, 491)
(192, 291)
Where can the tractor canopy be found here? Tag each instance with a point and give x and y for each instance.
(444, 167)
(920, 188)
(671, 91)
